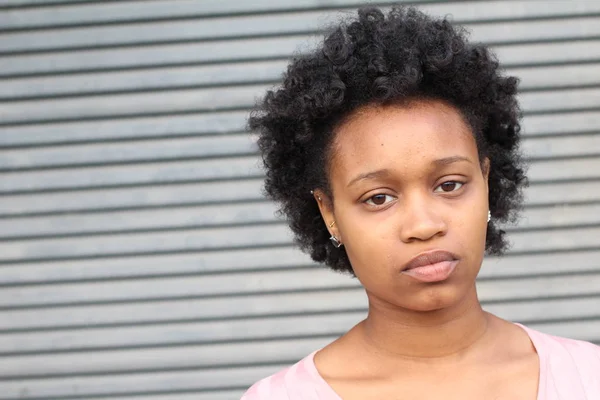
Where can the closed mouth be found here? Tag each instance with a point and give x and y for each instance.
(429, 258)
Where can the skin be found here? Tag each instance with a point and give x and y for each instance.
(407, 179)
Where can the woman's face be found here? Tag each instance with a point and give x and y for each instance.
(407, 181)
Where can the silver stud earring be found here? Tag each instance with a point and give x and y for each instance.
(336, 242)
(489, 216)
(318, 197)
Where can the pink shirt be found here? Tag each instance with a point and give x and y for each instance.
(569, 370)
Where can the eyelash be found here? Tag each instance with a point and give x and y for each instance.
(456, 182)
(461, 184)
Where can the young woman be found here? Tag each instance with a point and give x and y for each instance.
(393, 150)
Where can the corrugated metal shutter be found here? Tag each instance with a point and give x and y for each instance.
(138, 258)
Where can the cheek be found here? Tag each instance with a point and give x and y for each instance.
(468, 231)
(362, 242)
(368, 244)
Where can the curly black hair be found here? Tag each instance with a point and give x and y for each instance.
(384, 59)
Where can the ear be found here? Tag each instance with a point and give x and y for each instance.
(326, 208)
(485, 169)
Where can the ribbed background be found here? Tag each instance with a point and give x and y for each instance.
(138, 258)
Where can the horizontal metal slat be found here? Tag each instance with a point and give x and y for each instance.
(556, 76)
(175, 287)
(549, 262)
(134, 10)
(560, 100)
(562, 193)
(197, 395)
(562, 146)
(561, 123)
(140, 10)
(136, 104)
(145, 79)
(236, 73)
(569, 51)
(174, 218)
(28, 3)
(267, 24)
(559, 216)
(252, 306)
(252, 49)
(136, 174)
(164, 126)
(539, 287)
(582, 330)
(129, 152)
(165, 31)
(150, 242)
(536, 30)
(547, 309)
(136, 383)
(149, 56)
(206, 332)
(155, 265)
(170, 195)
(564, 170)
(554, 240)
(194, 356)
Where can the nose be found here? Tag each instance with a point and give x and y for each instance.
(421, 220)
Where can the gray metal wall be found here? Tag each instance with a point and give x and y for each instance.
(137, 256)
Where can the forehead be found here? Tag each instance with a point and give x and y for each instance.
(405, 137)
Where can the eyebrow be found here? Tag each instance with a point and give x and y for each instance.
(450, 160)
(384, 173)
(380, 173)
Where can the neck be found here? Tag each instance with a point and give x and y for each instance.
(444, 333)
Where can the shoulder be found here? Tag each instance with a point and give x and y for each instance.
(581, 352)
(271, 387)
(569, 362)
(292, 383)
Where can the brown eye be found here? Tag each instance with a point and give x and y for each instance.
(378, 199)
(449, 186)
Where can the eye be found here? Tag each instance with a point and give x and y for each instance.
(450, 186)
(379, 199)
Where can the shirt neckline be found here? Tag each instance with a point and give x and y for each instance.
(535, 341)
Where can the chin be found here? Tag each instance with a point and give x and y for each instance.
(435, 298)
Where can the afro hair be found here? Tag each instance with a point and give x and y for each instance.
(384, 59)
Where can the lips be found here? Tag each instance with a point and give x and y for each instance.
(434, 266)
(429, 258)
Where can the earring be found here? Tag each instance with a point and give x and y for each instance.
(489, 216)
(332, 224)
(336, 242)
